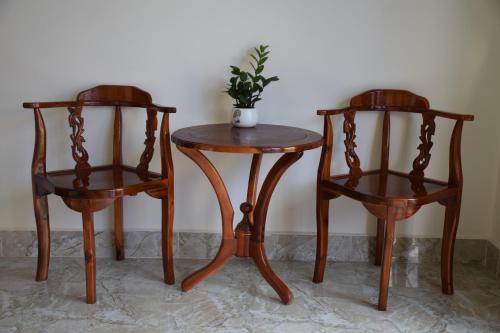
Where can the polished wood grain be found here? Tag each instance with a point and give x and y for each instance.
(243, 230)
(399, 188)
(257, 248)
(106, 95)
(228, 244)
(167, 200)
(88, 189)
(147, 154)
(423, 158)
(351, 157)
(323, 201)
(452, 213)
(385, 272)
(388, 194)
(262, 138)
(79, 153)
(112, 94)
(384, 167)
(102, 182)
(89, 251)
(253, 181)
(40, 202)
(248, 238)
(118, 181)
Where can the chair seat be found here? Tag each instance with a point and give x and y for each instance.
(102, 182)
(383, 188)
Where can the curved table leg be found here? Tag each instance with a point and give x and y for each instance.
(228, 244)
(257, 248)
(243, 230)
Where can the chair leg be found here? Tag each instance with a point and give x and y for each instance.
(385, 272)
(43, 233)
(89, 250)
(322, 208)
(448, 243)
(379, 246)
(120, 252)
(167, 235)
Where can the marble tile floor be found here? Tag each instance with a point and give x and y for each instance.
(131, 297)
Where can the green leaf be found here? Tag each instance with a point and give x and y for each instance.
(243, 76)
(235, 70)
(262, 60)
(247, 85)
(265, 81)
(257, 87)
(243, 99)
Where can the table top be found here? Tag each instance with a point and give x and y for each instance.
(262, 138)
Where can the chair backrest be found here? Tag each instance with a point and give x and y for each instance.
(117, 96)
(109, 94)
(383, 99)
(389, 101)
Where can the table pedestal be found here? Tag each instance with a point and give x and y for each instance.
(249, 239)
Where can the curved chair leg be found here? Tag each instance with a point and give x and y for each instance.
(89, 250)
(451, 218)
(257, 248)
(379, 245)
(322, 208)
(228, 243)
(43, 233)
(167, 236)
(118, 208)
(385, 272)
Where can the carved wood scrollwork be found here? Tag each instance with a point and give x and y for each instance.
(351, 157)
(417, 186)
(147, 155)
(80, 155)
(423, 158)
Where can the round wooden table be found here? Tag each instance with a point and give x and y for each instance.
(248, 238)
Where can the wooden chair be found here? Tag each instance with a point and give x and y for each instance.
(88, 189)
(387, 194)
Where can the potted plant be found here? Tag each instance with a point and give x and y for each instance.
(246, 88)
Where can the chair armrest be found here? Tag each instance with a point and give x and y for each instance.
(165, 109)
(48, 105)
(66, 104)
(449, 115)
(332, 112)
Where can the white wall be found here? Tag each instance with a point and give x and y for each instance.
(495, 225)
(324, 51)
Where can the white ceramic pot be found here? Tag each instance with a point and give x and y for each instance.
(245, 117)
